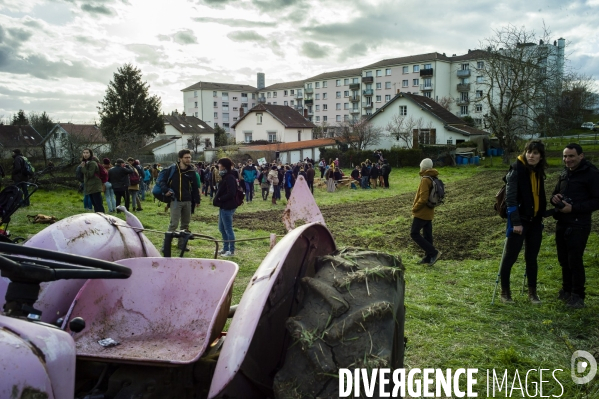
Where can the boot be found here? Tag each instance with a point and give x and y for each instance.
(532, 296)
(274, 200)
(506, 296)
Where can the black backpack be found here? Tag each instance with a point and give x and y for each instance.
(437, 194)
(10, 198)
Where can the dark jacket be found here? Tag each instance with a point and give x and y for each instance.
(365, 172)
(386, 169)
(581, 185)
(310, 174)
(184, 185)
(91, 182)
(18, 169)
(118, 176)
(519, 194)
(355, 174)
(225, 195)
(374, 172)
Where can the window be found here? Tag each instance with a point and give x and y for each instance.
(338, 82)
(428, 82)
(225, 117)
(368, 74)
(338, 106)
(379, 72)
(195, 93)
(254, 96)
(225, 106)
(464, 110)
(403, 110)
(272, 136)
(378, 99)
(387, 97)
(449, 141)
(346, 118)
(196, 104)
(284, 93)
(479, 79)
(317, 85)
(285, 103)
(215, 104)
(213, 94)
(216, 115)
(415, 82)
(345, 82)
(308, 85)
(465, 67)
(338, 118)
(274, 93)
(291, 103)
(416, 68)
(259, 118)
(388, 72)
(225, 96)
(324, 96)
(480, 64)
(290, 92)
(235, 109)
(479, 108)
(424, 136)
(346, 93)
(324, 118)
(196, 114)
(317, 96)
(427, 94)
(479, 94)
(379, 86)
(324, 107)
(317, 107)
(464, 96)
(405, 69)
(317, 118)
(338, 94)
(356, 80)
(248, 137)
(428, 66)
(387, 85)
(234, 98)
(324, 84)
(404, 83)
(345, 105)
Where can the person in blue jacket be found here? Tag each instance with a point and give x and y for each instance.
(289, 181)
(249, 174)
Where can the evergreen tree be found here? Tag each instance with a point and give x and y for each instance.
(220, 136)
(20, 118)
(128, 114)
(42, 123)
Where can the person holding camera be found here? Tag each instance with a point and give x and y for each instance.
(526, 202)
(576, 197)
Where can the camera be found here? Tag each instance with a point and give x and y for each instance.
(561, 205)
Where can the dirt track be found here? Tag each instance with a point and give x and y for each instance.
(462, 226)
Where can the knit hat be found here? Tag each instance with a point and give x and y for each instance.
(120, 160)
(106, 161)
(426, 164)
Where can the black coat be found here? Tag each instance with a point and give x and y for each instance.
(519, 194)
(118, 176)
(581, 185)
(184, 184)
(225, 195)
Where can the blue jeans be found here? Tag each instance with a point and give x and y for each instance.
(87, 201)
(225, 226)
(143, 186)
(277, 193)
(110, 198)
(249, 191)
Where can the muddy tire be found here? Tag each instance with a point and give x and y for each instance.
(351, 315)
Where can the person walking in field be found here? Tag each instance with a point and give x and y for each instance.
(422, 215)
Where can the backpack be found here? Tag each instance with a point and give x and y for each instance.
(239, 194)
(28, 169)
(500, 199)
(437, 194)
(134, 177)
(10, 198)
(162, 176)
(79, 174)
(102, 173)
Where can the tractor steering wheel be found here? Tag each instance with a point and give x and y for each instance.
(42, 265)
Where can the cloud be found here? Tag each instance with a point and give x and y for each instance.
(246, 36)
(313, 50)
(355, 50)
(153, 55)
(270, 6)
(98, 10)
(236, 23)
(185, 37)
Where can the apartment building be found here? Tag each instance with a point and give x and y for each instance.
(327, 99)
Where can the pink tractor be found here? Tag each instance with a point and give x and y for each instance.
(92, 311)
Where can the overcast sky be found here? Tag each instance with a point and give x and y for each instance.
(59, 55)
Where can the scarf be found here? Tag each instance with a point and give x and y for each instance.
(535, 183)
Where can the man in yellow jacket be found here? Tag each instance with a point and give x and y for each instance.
(423, 215)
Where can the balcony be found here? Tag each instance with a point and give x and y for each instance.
(368, 92)
(309, 90)
(461, 101)
(299, 94)
(310, 111)
(426, 86)
(354, 99)
(426, 72)
(463, 73)
(308, 101)
(463, 86)
(261, 100)
(367, 105)
(299, 107)
(354, 86)
(367, 79)
(244, 99)
(354, 111)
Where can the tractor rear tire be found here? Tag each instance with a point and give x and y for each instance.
(351, 315)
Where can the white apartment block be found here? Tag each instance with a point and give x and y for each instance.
(330, 98)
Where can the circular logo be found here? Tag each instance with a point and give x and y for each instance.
(580, 367)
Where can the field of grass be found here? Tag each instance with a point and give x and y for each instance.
(450, 322)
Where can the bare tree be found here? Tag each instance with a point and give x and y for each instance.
(446, 102)
(401, 127)
(517, 77)
(69, 145)
(359, 133)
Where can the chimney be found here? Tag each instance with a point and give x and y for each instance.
(261, 81)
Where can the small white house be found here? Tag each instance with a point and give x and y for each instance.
(274, 123)
(186, 132)
(408, 120)
(67, 140)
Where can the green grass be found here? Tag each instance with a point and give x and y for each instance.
(450, 322)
